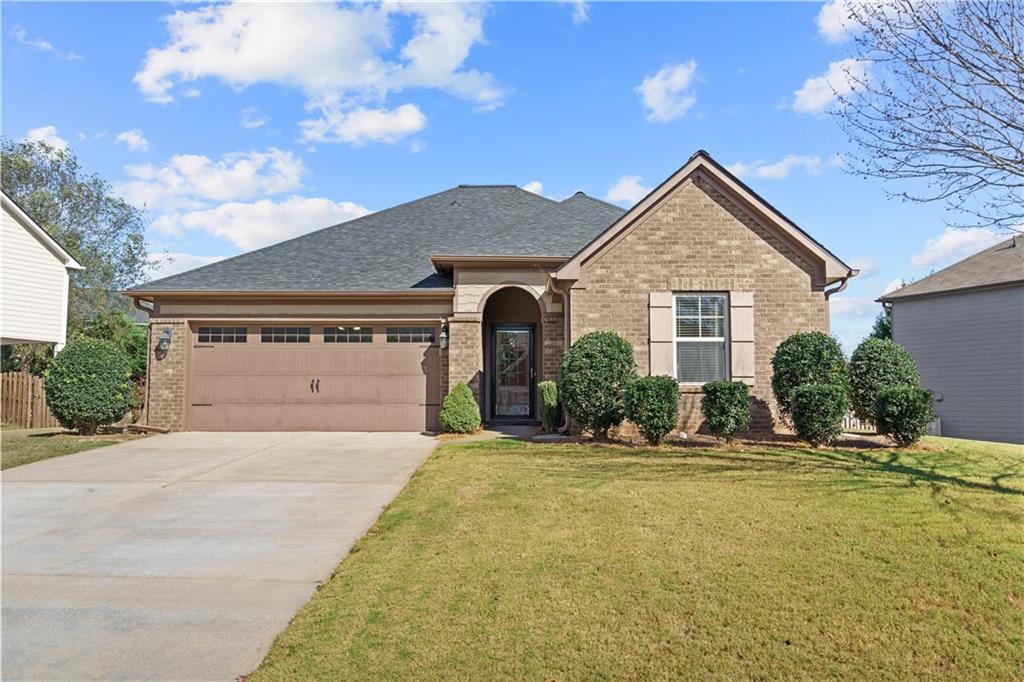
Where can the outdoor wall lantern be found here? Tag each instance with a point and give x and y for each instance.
(443, 339)
(163, 344)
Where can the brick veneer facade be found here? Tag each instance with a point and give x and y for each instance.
(165, 406)
(699, 240)
(553, 345)
(465, 352)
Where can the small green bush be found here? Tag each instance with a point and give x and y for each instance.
(652, 403)
(550, 407)
(726, 407)
(903, 414)
(595, 373)
(818, 411)
(806, 358)
(459, 411)
(877, 365)
(89, 385)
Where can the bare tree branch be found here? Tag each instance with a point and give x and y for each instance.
(940, 106)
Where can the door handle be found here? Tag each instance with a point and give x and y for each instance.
(317, 385)
(311, 385)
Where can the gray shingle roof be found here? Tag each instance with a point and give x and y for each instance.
(996, 265)
(390, 250)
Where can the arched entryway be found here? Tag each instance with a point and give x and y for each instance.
(513, 353)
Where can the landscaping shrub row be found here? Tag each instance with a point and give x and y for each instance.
(813, 384)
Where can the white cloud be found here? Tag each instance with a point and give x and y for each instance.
(191, 180)
(361, 125)
(171, 263)
(955, 244)
(343, 58)
(852, 307)
(892, 286)
(779, 170)
(834, 23)
(867, 267)
(252, 118)
(535, 186)
(666, 95)
(627, 189)
(47, 135)
(135, 140)
(21, 35)
(580, 10)
(257, 224)
(819, 92)
(191, 93)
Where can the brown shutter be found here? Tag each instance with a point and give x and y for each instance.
(741, 336)
(661, 334)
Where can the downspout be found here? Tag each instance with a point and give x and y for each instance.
(842, 284)
(566, 327)
(149, 345)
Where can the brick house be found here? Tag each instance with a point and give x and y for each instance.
(365, 325)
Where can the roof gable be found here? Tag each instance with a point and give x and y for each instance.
(11, 207)
(829, 267)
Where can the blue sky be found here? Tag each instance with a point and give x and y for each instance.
(240, 125)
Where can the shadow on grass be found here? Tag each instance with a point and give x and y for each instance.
(877, 467)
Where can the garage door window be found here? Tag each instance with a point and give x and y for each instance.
(410, 334)
(284, 335)
(348, 334)
(222, 335)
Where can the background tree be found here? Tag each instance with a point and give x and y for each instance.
(81, 211)
(938, 100)
(882, 328)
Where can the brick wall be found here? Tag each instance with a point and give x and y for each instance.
(553, 345)
(699, 240)
(167, 374)
(465, 352)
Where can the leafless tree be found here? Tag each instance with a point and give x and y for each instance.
(939, 107)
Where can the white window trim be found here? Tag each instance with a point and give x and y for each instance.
(705, 339)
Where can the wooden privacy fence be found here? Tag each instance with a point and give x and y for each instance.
(23, 402)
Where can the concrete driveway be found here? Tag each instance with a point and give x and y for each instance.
(182, 556)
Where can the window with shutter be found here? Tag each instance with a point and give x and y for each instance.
(701, 337)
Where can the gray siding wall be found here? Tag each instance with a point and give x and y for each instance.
(969, 347)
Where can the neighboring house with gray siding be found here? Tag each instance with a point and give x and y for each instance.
(964, 327)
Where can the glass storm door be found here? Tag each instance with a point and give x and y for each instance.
(513, 372)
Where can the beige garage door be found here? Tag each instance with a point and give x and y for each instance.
(249, 377)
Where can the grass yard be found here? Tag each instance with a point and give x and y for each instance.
(23, 446)
(508, 560)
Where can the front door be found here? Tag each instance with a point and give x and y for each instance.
(512, 354)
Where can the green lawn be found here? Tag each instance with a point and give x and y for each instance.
(506, 560)
(23, 446)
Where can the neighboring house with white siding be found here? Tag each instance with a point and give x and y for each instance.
(34, 277)
(964, 327)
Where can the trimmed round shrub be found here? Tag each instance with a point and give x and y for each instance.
(550, 408)
(806, 358)
(89, 385)
(652, 403)
(877, 365)
(818, 411)
(726, 408)
(903, 414)
(459, 411)
(595, 373)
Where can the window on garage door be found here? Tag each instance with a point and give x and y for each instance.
(348, 334)
(284, 335)
(410, 334)
(222, 335)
